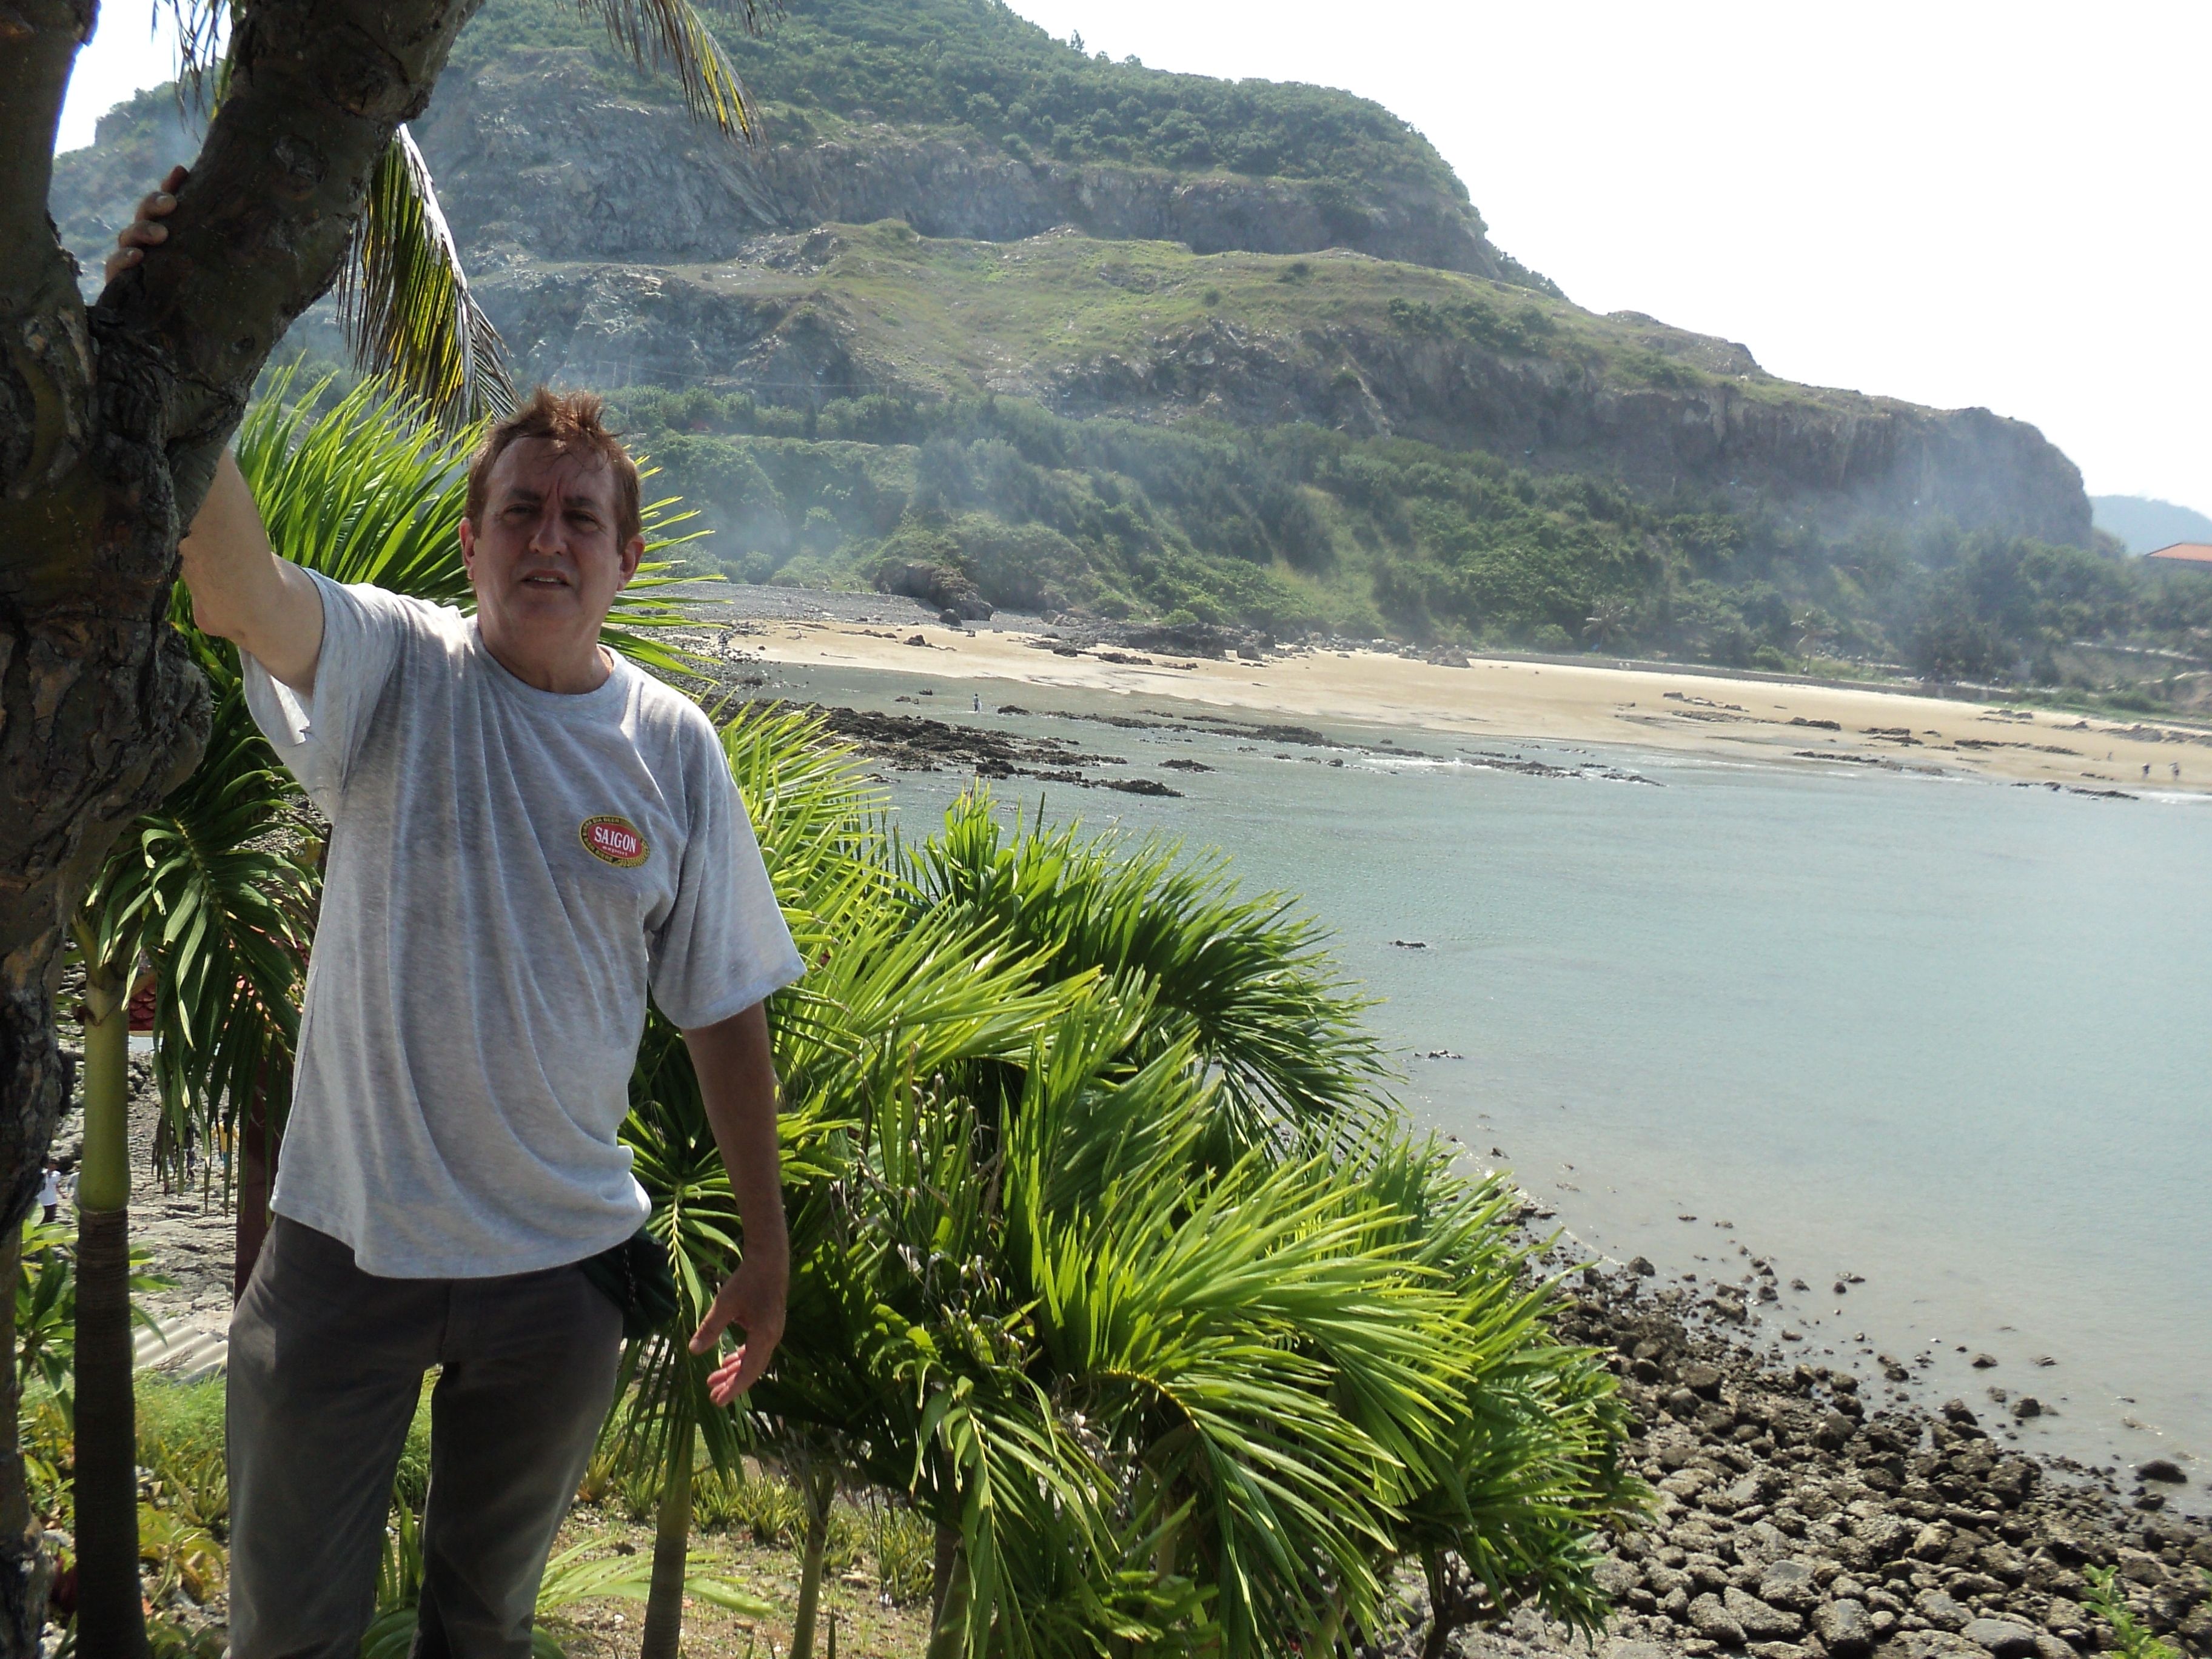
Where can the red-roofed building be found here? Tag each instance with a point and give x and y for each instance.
(2196, 553)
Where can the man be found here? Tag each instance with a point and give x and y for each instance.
(528, 835)
(49, 1192)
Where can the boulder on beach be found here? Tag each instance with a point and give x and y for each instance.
(2001, 1637)
(1789, 1583)
(1943, 1610)
(1709, 1618)
(1842, 1629)
(1760, 1621)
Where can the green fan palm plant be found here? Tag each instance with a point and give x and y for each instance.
(883, 997)
(1163, 1322)
(1248, 980)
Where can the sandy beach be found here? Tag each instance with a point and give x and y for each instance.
(1791, 723)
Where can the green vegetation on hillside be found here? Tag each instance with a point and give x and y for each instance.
(821, 68)
(945, 316)
(1291, 528)
(974, 64)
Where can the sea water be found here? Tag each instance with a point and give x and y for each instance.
(1947, 1042)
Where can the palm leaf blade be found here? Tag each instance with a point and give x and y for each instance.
(405, 301)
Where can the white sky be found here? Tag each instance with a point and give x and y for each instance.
(1954, 202)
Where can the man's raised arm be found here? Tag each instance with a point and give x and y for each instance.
(241, 589)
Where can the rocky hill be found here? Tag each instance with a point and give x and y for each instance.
(948, 211)
(635, 249)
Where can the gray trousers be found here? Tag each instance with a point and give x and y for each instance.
(327, 1366)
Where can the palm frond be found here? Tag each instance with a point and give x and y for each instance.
(201, 29)
(670, 34)
(208, 888)
(1249, 979)
(404, 302)
(362, 490)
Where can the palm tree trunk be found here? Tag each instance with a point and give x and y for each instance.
(818, 1483)
(25, 1571)
(257, 1139)
(111, 1618)
(948, 1636)
(671, 1542)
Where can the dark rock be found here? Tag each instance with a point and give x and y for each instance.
(1982, 1362)
(1933, 1543)
(1957, 1412)
(1615, 1577)
(2161, 1468)
(2026, 1406)
(1758, 1621)
(1789, 1583)
(1842, 1627)
(2001, 1637)
(2013, 1480)
(1709, 1618)
(1941, 1610)
(1701, 1378)
(947, 589)
(1883, 1534)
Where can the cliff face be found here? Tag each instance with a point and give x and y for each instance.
(532, 151)
(836, 314)
(1828, 455)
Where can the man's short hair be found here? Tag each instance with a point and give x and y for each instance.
(571, 421)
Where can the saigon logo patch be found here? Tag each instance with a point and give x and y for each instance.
(613, 840)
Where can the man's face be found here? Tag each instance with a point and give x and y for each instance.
(545, 561)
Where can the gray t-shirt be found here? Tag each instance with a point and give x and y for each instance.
(510, 871)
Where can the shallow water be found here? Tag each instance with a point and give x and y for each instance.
(1950, 1037)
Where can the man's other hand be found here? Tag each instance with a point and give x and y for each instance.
(146, 230)
(753, 1301)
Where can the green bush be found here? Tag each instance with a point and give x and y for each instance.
(901, 1546)
(178, 1422)
(180, 1427)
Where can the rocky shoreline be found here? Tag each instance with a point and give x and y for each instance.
(1794, 1519)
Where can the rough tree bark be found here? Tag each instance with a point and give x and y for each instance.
(110, 420)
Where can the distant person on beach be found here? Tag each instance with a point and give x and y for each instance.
(49, 1192)
(528, 836)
